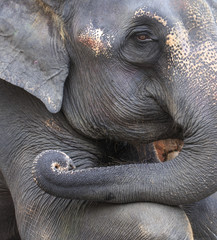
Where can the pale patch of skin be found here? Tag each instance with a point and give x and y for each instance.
(56, 166)
(195, 59)
(168, 149)
(52, 125)
(97, 40)
(178, 41)
(142, 12)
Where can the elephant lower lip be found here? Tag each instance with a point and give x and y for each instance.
(168, 149)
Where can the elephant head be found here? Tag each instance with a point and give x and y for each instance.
(127, 71)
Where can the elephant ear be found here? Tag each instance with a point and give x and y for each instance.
(32, 52)
(55, 4)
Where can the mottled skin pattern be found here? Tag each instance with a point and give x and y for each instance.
(101, 80)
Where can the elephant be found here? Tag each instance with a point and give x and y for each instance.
(86, 88)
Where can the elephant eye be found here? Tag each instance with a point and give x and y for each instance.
(143, 37)
(141, 46)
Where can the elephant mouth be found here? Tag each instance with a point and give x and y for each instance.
(168, 149)
(160, 151)
(118, 153)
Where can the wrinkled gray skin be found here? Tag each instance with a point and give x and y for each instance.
(112, 75)
(42, 216)
(203, 218)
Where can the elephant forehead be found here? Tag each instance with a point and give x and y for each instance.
(98, 22)
(145, 12)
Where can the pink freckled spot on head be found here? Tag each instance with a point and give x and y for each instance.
(142, 12)
(96, 40)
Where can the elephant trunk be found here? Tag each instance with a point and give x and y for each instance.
(188, 178)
